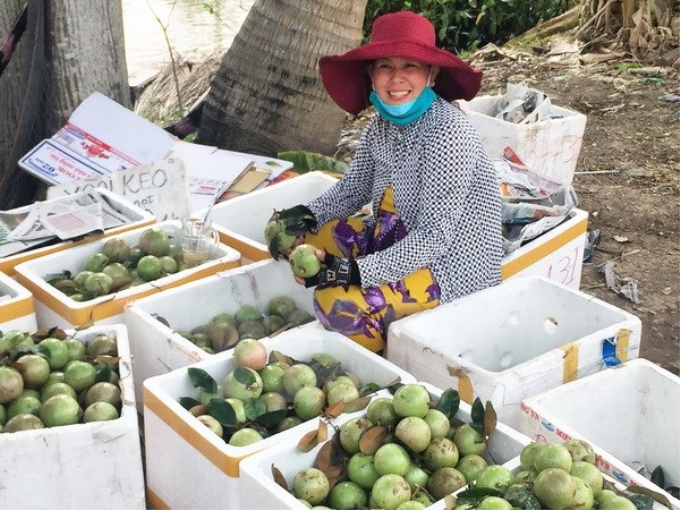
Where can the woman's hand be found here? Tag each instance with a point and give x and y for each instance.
(334, 271)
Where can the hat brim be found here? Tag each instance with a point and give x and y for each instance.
(346, 79)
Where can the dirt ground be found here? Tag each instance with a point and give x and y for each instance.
(627, 179)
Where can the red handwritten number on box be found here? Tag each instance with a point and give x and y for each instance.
(565, 268)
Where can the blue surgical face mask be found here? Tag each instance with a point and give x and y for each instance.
(405, 113)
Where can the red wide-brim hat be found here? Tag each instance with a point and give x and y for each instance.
(402, 34)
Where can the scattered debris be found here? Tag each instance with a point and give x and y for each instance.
(625, 287)
(621, 239)
(593, 238)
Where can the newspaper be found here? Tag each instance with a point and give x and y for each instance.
(532, 204)
(68, 217)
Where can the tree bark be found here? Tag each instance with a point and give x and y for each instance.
(85, 54)
(71, 48)
(267, 95)
(21, 89)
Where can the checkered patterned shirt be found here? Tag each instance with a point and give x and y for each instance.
(445, 191)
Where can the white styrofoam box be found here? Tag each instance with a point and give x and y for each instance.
(208, 475)
(629, 414)
(157, 348)
(260, 491)
(557, 254)
(241, 220)
(549, 147)
(16, 306)
(54, 308)
(87, 465)
(139, 218)
(512, 341)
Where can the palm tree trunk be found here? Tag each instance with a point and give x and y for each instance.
(266, 95)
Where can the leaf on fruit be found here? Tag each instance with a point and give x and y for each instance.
(327, 461)
(102, 373)
(490, 420)
(477, 413)
(188, 402)
(335, 410)
(271, 418)
(202, 380)
(53, 332)
(475, 495)
(222, 337)
(357, 404)
(105, 359)
(279, 478)
(254, 408)
(309, 441)
(372, 439)
(323, 431)
(641, 501)
(656, 496)
(449, 403)
(244, 376)
(278, 356)
(223, 412)
(369, 389)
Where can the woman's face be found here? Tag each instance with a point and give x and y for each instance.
(400, 80)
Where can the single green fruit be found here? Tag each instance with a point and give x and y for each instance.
(60, 410)
(304, 262)
(96, 262)
(149, 268)
(154, 241)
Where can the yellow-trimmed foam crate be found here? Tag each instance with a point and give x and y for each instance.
(54, 308)
(138, 216)
(207, 472)
(240, 221)
(16, 306)
(512, 341)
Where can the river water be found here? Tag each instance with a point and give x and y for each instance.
(193, 32)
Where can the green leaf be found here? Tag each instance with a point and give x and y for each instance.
(475, 495)
(449, 403)
(369, 388)
(102, 373)
(658, 477)
(202, 380)
(477, 413)
(223, 412)
(532, 503)
(272, 418)
(188, 402)
(254, 408)
(244, 376)
(641, 501)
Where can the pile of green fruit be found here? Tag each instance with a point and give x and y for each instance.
(50, 379)
(119, 266)
(407, 451)
(224, 330)
(266, 393)
(556, 476)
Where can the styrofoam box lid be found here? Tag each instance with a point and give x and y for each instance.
(70, 439)
(225, 292)
(300, 343)
(488, 105)
(631, 412)
(246, 216)
(505, 444)
(501, 327)
(73, 260)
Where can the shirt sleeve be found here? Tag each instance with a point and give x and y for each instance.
(353, 190)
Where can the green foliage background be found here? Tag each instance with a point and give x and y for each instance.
(466, 25)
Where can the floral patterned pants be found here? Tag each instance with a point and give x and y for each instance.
(364, 315)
